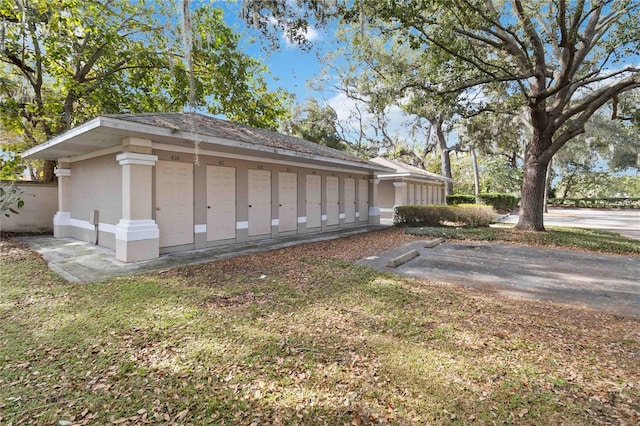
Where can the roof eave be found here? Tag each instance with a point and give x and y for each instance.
(76, 131)
(152, 130)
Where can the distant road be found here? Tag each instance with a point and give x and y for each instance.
(623, 221)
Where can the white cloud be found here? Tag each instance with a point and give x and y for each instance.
(309, 33)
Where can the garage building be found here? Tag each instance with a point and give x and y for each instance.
(146, 184)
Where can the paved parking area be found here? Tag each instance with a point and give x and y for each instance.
(599, 281)
(623, 221)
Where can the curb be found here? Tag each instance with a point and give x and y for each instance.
(402, 259)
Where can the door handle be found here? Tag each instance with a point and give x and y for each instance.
(157, 208)
(250, 205)
(208, 207)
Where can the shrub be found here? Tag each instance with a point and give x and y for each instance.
(497, 201)
(613, 202)
(469, 215)
(473, 215)
(461, 199)
(500, 201)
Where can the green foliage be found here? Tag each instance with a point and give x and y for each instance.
(497, 174)
(461, 199)
(463, 214)
(501, 202)
(584, 183)
(68, 61)
(11, 199)
(601, 203)
(11, 165)
(315, 123)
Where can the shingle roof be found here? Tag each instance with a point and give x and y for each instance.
(402, 168)
(213, 127)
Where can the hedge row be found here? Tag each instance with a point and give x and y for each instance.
(616, 202)
(497, 201)
(469, 215)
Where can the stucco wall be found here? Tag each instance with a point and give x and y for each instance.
(96, 184)
(386, 198)
(38, 211)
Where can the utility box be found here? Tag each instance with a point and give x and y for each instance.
(94, 217)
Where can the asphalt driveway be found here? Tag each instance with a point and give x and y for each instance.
(599, 281)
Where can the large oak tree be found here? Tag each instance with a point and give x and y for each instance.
(66, 61)
(562, 59)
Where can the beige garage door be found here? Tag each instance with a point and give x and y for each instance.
(288, 201)
(221, 203)
(314, 201)
(410, 199)
(259, 202)
(333, 202)
(363, 199)
(174, 202)
(349, 200)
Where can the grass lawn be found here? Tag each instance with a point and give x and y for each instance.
(301, 336)
(557, 237)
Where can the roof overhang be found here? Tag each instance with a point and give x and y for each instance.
(103, 133)
(393, 176)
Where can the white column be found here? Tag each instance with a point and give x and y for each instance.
(137, 234)
(62, 218)
(374, 208)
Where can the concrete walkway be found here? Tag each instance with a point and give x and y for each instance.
(82, 262)
(600, 281)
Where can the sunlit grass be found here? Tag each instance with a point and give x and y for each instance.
(317, 341)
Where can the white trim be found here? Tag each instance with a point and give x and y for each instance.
(200, 229)
(62, 172)
(136, 230)
(357, 214)
(62, 218)
(414, 176)
(85, 224)
(275, 222)
(399, 184)
(323, 218)
(374, 211)
(302, 219)
(201, 151)
(242, 225)
(127, 158)
(342, 216)
(386, 210)
(93, 154)
(374, 181)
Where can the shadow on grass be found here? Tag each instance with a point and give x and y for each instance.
(318, 341)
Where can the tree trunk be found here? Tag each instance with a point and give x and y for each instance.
(547, 186)
(48, 171)
(444, 157)
(534, 181)
(476, 175)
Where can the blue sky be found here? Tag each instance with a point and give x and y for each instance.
(290, 67)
